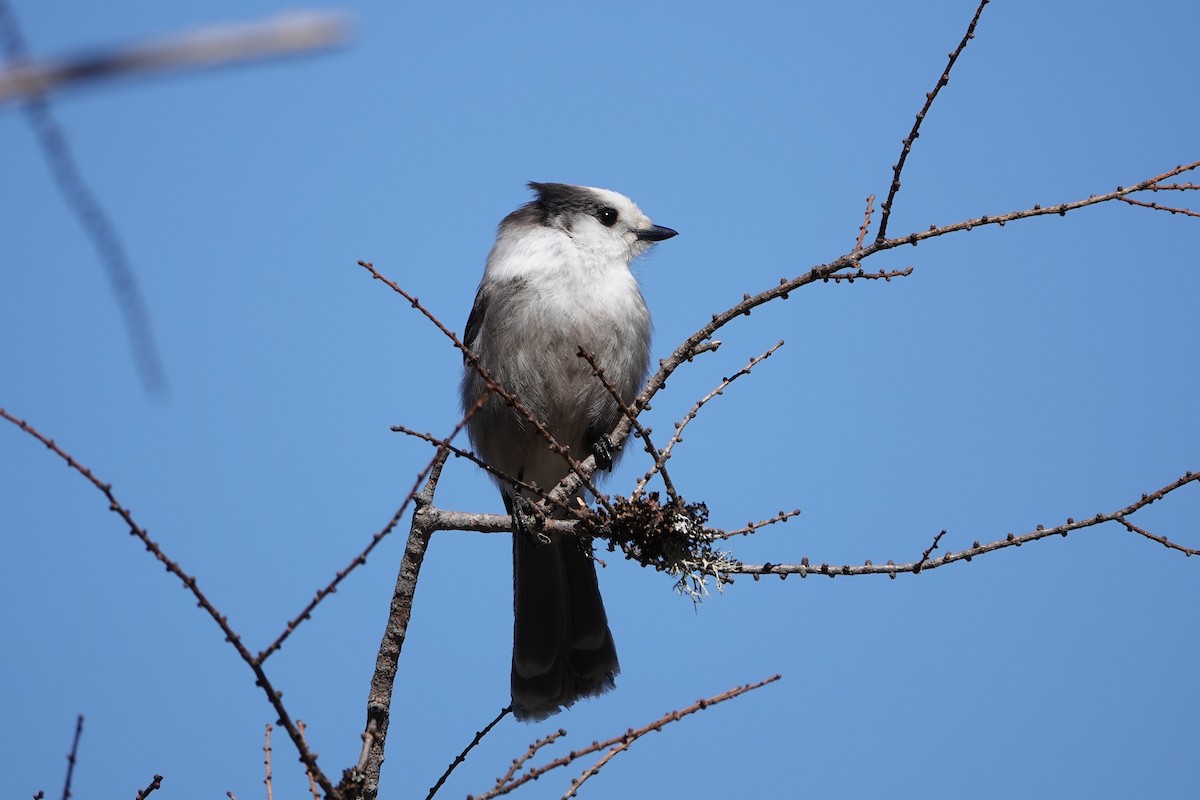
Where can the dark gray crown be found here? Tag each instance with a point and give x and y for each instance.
(556, 200)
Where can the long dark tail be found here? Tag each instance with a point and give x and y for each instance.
(562, 647)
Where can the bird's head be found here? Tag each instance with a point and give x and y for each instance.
(599, 220)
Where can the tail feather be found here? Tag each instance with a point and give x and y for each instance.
(562, 647)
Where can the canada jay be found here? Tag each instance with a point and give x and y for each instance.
(557, 279)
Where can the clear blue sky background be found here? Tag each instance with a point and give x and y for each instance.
(1020, 376)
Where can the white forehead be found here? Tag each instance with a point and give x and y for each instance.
(626, 207)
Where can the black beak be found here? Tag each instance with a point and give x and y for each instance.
(656, 233)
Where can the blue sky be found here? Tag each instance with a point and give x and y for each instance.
(1019, 376)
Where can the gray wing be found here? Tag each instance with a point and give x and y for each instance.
(475, 321)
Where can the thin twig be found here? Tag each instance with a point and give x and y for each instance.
(640, 430)
(677, 436)
(1157, 207)
(891, 569)
(379, 536)
(898, 167)
(751, 527)
(1038, 210)
(521, 760)
(72, 756)
(267, 763)
(866, 223)
(92, 217)
(461, 757)
(507, 783)
(862, 274)
(1164, 541)
(582, 470)
(211, 46)
(458, 452)
(928, 551)
(154, 784)
(308, 758)
(312, 784)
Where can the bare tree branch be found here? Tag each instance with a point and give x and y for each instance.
(620, 743)
(643, 433)
(677, 437)
(582, 475)
(72, 756)
(891, 569)
(751, 527)
(1157, 207)
(267, 763)
(312, 783)
(307, 757)
(361, 558)
(461, 757)
(898, 167)
(866, 224)
(363, 779)
(688, 348)
(155, 784)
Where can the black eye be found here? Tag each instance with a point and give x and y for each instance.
(607, 217)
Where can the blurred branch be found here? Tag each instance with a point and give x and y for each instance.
(155, 784)
(95, 221)
(291, 33)
(27, 78)
(72, 757)
(312, 783)
(267, 763)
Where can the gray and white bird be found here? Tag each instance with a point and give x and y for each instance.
(557, 279)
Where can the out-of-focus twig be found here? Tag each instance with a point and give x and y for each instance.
(90, 212)
(312, 783)
(154, 785)
(72, 756)
(211, 46)
(267, 764)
